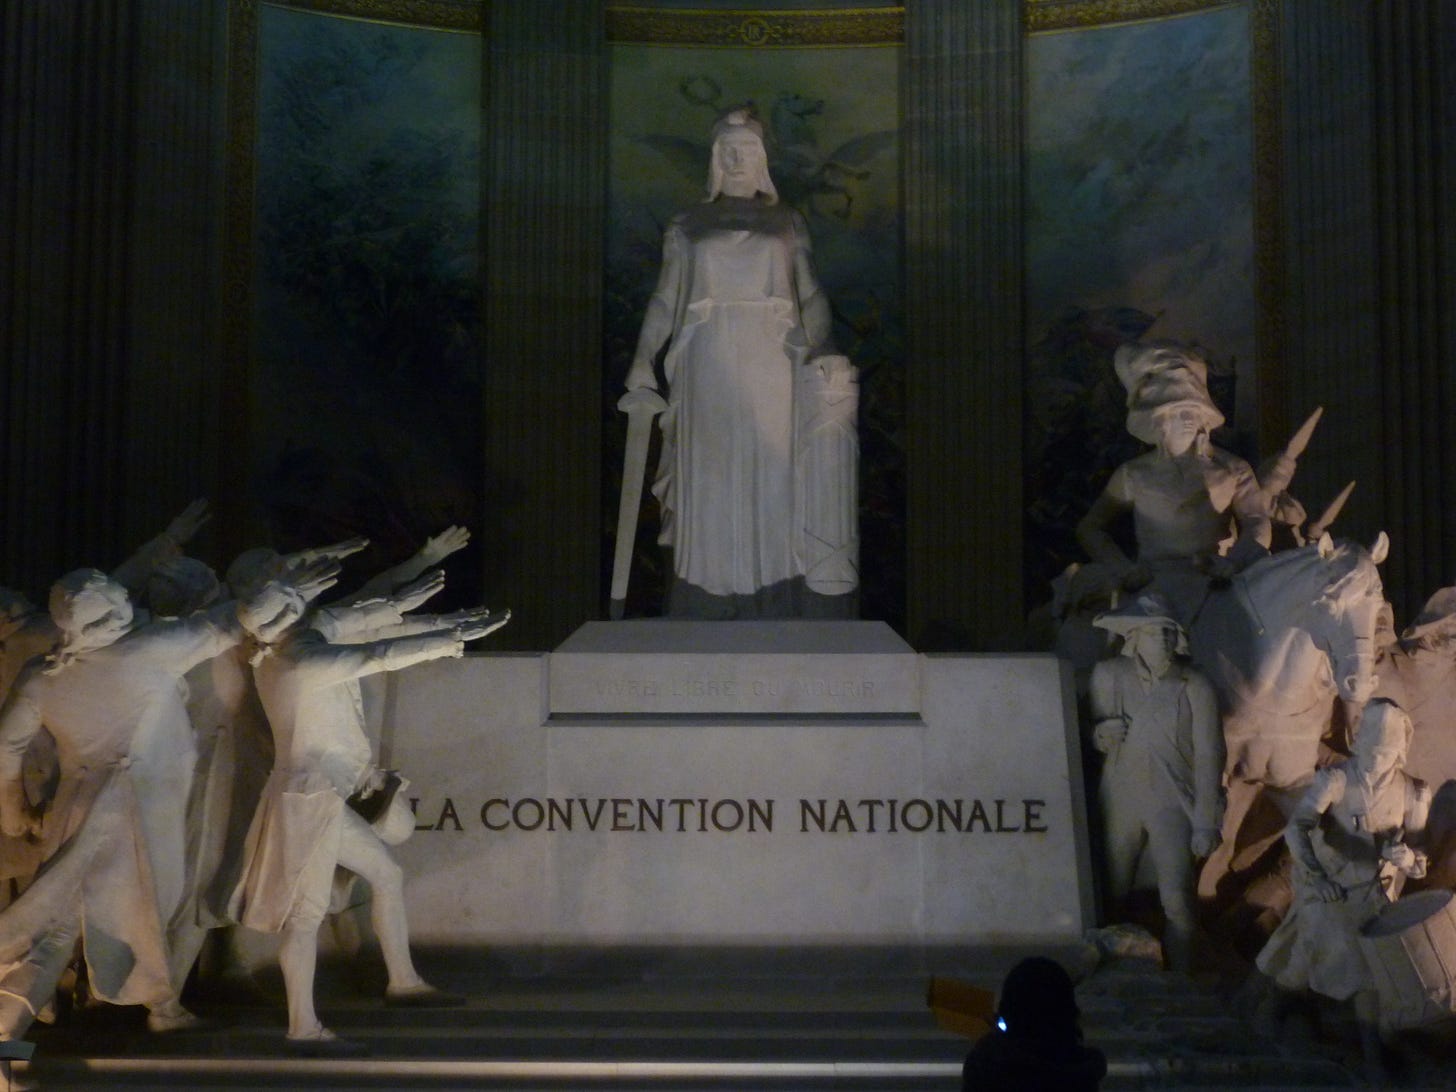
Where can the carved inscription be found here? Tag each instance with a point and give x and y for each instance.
(729, 815)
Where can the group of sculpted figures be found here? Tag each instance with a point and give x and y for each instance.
(180, 752)
(1259, 724)
(1255, 719)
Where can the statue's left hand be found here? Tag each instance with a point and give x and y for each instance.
(1204, 841)
(315, 577)
(478, 628)
(1410, 861)
(441, 546)
(1244, 553)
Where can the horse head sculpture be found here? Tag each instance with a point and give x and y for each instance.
(1294, 634)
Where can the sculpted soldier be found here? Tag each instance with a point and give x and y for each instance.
(1155, 718)
(1198, 511)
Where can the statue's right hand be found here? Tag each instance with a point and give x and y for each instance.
(340, 550)
(15, 820)
(1326, 889)
(1107, 735)
(640, 375)
(476, 628)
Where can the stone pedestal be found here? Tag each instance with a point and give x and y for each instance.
(657, 667)
(665, 783)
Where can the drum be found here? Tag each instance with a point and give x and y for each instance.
(1410, 947)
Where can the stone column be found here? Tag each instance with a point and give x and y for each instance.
(1371, 282)
(963, 104)
(109, 131)
(544, 152)
(173, 390)
(67, 116)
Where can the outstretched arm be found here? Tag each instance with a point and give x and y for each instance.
(393, 581)
(132, 573)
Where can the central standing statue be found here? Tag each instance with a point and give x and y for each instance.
(757, 475)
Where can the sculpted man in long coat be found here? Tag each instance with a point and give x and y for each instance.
(114, 838)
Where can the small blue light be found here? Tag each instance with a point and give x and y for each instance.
(1000, 1023)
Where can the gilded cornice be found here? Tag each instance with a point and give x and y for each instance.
(761, 28)
(1047, 15)
(433, 14)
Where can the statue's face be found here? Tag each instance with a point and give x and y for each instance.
(1154, 645)
(273, 611)
(101, 615)
(1381, 760)
(1181, 427)
(741, 161)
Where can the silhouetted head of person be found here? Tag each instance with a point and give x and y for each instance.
(1037, 1002)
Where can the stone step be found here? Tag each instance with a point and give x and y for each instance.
(870, 1033)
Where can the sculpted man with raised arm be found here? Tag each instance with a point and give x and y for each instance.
(114, 839)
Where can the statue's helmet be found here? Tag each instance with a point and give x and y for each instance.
(1384, 725)
(1160, 377)
(1436, 620)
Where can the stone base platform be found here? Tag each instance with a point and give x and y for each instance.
(782, 784)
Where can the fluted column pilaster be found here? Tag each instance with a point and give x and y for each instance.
(544, 151)
(963, 103)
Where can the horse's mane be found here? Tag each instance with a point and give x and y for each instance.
(1313, 577)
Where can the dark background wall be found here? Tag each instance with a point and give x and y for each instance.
(124, 349)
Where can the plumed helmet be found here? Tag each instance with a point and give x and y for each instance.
(1161, 376)
(740, 117)
(81, 597)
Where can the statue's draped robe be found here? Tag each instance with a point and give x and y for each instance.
(115, 840)
(746, 317)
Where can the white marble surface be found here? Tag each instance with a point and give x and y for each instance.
(474, 733)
